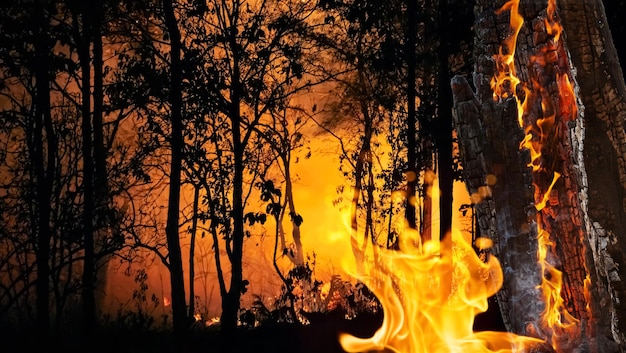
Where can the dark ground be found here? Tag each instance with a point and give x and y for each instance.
(321, 336)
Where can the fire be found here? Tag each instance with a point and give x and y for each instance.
(540, 128)
(430, 298)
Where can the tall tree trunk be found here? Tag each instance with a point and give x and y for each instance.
(103, 201)
(83, 40)
(573, 200)
(411, 118)
(175, 264)
(43, 166)
(231, 302)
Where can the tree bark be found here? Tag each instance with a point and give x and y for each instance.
(572, 197)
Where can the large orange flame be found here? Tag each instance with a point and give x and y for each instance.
(430, 299)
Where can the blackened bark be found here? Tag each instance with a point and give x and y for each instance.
(175, 264)
(602, 92)
(489, 144)
(584, 212)
(496, 175)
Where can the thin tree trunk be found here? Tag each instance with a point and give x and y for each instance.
(231, 302)
(179, 310)
(103, 202)
(443, 132)
(44, 170)
(83, 40)
(298, 260)
(360, 169)
(411, 120)
(192, 249)
(99, 148)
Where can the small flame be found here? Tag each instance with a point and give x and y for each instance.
(166, 301)
(430, 298)
(553, 27)
(504, 83)
(212, 322)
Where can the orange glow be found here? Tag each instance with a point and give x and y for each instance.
(430, 299)
(166, 301)
(541, 129)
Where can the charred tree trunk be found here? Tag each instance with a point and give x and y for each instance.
(556, 183)
(602, 93)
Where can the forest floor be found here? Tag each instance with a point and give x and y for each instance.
(320, 336)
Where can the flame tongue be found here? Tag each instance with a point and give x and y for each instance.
(430, 300)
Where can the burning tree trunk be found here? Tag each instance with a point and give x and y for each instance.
(544, 167)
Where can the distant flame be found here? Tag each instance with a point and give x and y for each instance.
(430, 299)
(166, 301)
